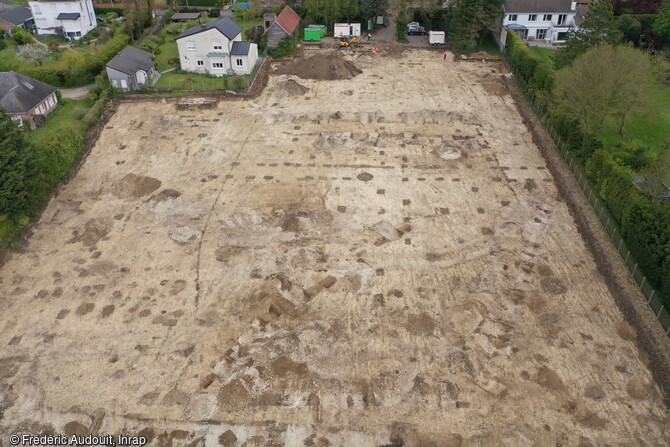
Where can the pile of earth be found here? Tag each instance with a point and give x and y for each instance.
(291, 88)
(494, 85)
(323, 67)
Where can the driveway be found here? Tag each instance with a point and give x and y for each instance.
(75, 93)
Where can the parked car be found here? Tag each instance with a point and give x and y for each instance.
(416, 31)
(412, 24)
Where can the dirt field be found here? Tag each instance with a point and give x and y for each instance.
(382, 260)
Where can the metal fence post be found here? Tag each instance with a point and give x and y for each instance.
(658, 315)
(651, 296)
(634, 269)
(644, 278)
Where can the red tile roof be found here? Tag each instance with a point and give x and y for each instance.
(288, 20)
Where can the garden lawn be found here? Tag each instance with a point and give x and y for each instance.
(201, 82)
(68, 113)
(248, 24)
(8, 60)
(167, 51)
(545, 53)
(650, 127)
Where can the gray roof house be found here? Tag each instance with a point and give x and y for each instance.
(25, 98)
(19, 16)
(216, 48)
(538, 22)
(132, 69)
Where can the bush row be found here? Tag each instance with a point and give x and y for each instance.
(535, 70)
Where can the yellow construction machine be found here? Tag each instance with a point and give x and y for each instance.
(347, 41)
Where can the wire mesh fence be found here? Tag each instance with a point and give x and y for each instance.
(609, 224)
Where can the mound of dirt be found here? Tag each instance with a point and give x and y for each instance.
(323, 67)
(495, 87)
(291, 88)
(482, 55)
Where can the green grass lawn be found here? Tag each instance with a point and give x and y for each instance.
(545, 53)
(69, 112)
(168, 50)
(651, 127)
(8, 60)
(248, 24)
(200, 82)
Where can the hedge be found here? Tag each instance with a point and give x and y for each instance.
(645, 224)
(536, 71)
(104, 11)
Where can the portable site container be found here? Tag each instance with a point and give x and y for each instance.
(436, 37)
(347, 29)
(312, 34)
(322, 28)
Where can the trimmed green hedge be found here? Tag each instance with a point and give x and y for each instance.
(536, 71)
(645, 224)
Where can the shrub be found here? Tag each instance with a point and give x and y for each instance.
(3, 45)
(20, 36)
(59, 153)
(172, 60)
(285, 48)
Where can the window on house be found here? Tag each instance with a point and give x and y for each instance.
(239, 62)
(217, 45)
(200, 62)
(512, 18)
(190, 45)
(562, 18)
(541, 33)
(532, 17)
(217, 64)
(547, 18)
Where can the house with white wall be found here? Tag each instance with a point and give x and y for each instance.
(546, 21)
(216, 48)
(72, 19)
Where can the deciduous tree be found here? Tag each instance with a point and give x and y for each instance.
(597, 28)
(604, 82)
(471, 19)
(33, 53)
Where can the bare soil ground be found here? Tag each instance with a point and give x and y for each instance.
(376, 261)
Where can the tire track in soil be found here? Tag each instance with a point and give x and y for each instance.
(211, 210)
